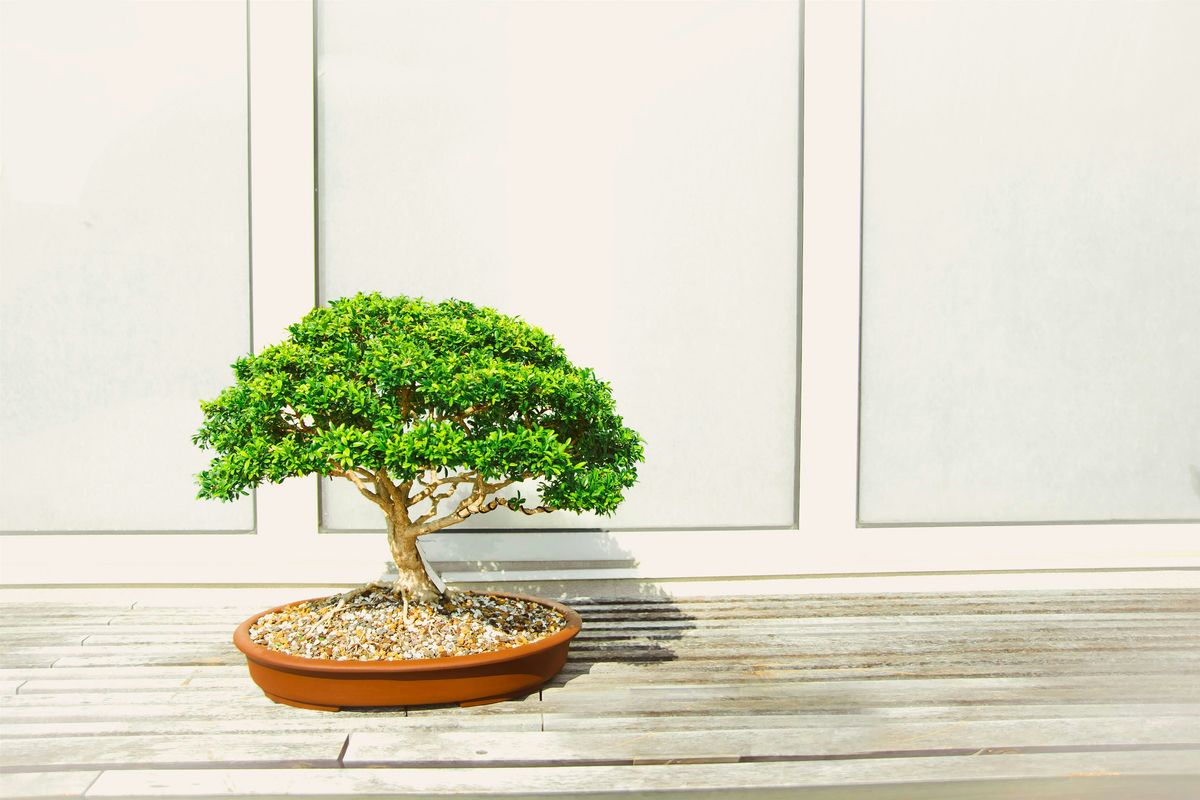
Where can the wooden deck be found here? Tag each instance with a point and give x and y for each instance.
(1016, 695)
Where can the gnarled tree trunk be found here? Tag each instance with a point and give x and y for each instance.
(412, 581)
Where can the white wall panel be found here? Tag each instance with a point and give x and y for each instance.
(124, 257)
(1031, 262)
(623, 175)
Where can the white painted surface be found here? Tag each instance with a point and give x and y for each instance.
(124, 258)
(623, 175)
(284, 244)
(1031, 262)
(828, 553)
(828, 465)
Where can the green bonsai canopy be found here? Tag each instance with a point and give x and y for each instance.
(412, 402)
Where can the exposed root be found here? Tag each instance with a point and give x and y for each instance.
(403, 587)
(347, 596)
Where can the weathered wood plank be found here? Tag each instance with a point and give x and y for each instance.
(897, 642)
(119, 686)
(608, 699)
(31, 785)
(214, 659)
(7, 660)
(317, 749)
(451, 719)
(40, 637)
(873, 693)
(251, 705)
(165, 671)
(1081, 774)
(345, 722)
(756, 671)
(903, 605)
(96, 702)
(575, 748)
(565, 721)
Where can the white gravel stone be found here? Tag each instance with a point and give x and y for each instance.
(372, 627)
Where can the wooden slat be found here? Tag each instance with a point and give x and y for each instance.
(769, 697)
(451, 719)
(881, 693)
(270, 724)
(760, 669)
(134, 671)
(1044, 775)
(46, 784)
(118, 686)
(581, 721)
(247, 705)
(318, 749)
(574, 748)
(99, 698)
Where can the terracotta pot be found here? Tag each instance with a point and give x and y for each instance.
(328, 685)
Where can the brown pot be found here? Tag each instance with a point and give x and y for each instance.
(328, 685)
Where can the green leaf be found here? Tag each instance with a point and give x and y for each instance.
(403, 383)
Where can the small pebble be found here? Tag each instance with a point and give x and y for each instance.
(371, 627)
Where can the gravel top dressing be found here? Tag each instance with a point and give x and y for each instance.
(371, 627)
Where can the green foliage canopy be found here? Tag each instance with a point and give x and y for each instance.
(409, 386)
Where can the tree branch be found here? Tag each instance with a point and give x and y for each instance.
(444, 522)
(384, 485)
(465, 477)
(406, 402)
(362, 487)
(529, 511)
(473, 410)
(461, 417)
(435, 501)
(474, 504)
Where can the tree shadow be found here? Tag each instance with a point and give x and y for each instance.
(633, 623)
(626, 621)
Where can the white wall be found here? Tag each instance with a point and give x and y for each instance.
(124, 267)
(1031, 262)
(623, 175)
(690, 247)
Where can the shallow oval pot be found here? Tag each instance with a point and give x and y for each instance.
(328, 685)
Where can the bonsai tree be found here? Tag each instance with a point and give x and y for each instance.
(432, 410)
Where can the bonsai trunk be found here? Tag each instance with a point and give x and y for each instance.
(411, 581)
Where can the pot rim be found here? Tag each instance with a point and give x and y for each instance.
(276, 660)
